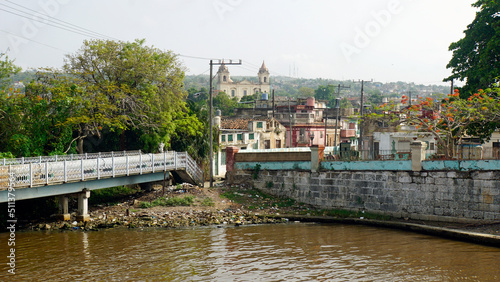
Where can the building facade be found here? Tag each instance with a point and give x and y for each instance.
(246, 134)
(244, 87)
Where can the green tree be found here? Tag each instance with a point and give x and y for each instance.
(124, 86)
(476, 57)
(325, 92)
(224, 103)
(7, 68)
(306, 92)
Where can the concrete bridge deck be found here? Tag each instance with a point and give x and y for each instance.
(28, 178)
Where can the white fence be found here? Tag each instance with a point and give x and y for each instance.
(31, 172)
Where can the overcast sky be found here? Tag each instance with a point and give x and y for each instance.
(384, 40)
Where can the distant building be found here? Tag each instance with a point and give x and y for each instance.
(244, 87)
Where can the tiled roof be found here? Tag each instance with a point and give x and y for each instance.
(239, 123)
(234, 123)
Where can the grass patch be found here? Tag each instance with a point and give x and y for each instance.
(111, 195)
(208, 202)
(169, 202)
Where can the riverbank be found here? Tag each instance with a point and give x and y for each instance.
(186, 205)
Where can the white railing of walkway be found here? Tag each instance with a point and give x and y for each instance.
(95, 166)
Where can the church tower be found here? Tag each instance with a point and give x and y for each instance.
(263, 74)
(223, 75)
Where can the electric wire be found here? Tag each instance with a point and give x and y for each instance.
(65, 22)
(48, 23)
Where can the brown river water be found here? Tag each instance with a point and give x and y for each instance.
(281, 252)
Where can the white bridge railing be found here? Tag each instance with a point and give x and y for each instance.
(39, 171)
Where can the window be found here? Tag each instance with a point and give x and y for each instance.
(259, 124)
(244, 92)
(239, 137)
(229, 137)
(224, 78)
(250, 136)
(233, 93)
(255, 146)
(321, 134)
(223, 138)
(265, 79)
(278, 143)
(267, 144)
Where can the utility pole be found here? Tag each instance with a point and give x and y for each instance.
(337, 109)
(290, 120)
(360, 142)
(210, 117)
(451, 89)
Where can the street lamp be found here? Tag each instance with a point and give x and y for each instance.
(312, 138)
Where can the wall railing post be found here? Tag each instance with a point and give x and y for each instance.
(112, 165)
(81, 169)
(98, 172)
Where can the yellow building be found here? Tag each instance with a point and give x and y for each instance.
(244, 87)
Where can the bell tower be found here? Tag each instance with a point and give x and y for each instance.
(263, 74)
(223, 74)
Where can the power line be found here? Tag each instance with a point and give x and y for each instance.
(55, 22)
(34, 41)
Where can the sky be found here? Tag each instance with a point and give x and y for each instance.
(383, 40)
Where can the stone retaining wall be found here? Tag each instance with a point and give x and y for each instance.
(435, 195)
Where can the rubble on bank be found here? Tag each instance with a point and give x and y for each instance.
(220, 211)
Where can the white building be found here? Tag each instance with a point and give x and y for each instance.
(246, 134)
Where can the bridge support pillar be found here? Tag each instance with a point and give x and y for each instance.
(83, 206)
(63, 208)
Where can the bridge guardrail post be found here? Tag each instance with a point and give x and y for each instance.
(98, 170)
(128, 172)
(22, 160)
(140, 163)
(112, 165)
(153, 162)
(81, 169)
(47, 173)
(175, 160)
(31, 175)
(65, 172)
(164, 161)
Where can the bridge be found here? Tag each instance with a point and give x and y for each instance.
(66, 175)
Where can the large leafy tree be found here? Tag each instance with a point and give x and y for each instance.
(120, 86)
(476, 57)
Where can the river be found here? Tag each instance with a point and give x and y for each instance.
(282, 252)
